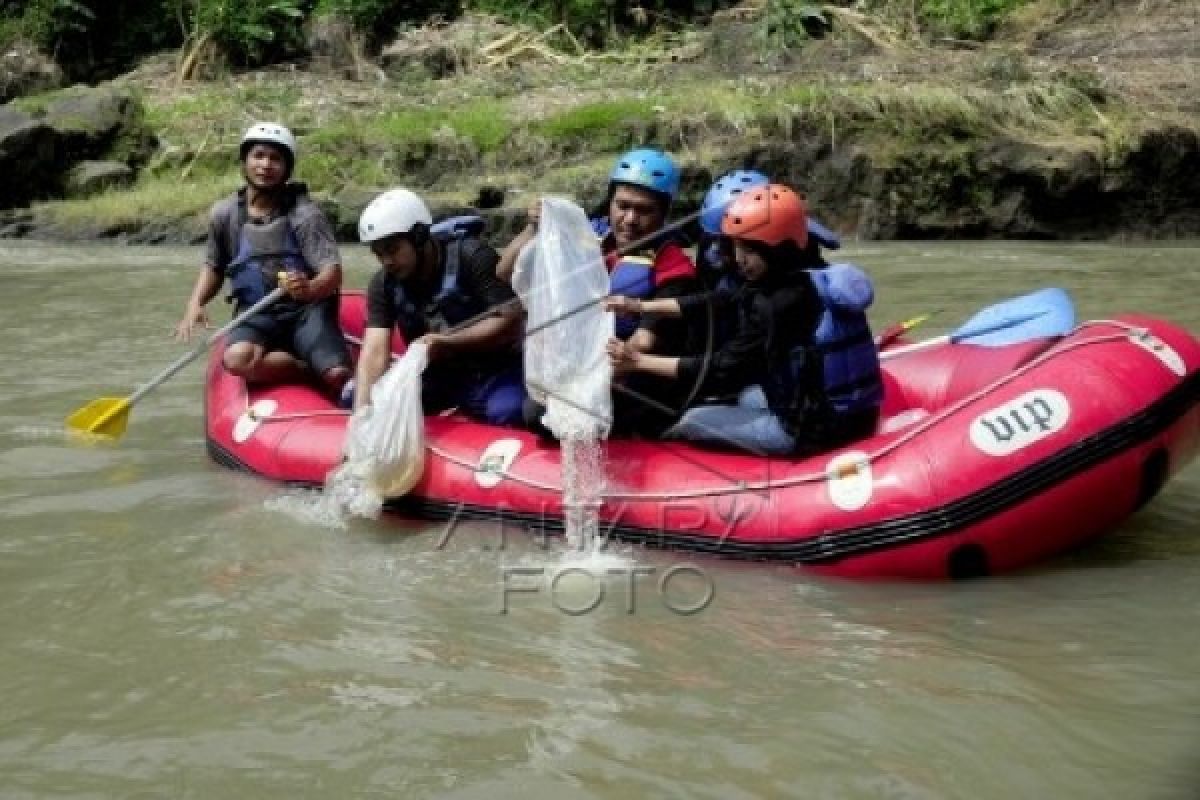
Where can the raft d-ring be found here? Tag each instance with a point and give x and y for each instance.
(849, 480)
(252, 418)
(1156, 347)
(495, 461)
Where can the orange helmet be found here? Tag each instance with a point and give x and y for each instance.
(769, 214)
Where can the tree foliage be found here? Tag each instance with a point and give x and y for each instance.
(378, 19)
(94, 39)
(250, 32)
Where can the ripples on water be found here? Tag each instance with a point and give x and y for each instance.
(173, 629)
(311, 506)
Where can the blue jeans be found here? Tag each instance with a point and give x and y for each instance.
(494, 398)
(497, 401)
(749, 425)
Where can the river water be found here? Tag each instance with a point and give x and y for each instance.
(173, 630)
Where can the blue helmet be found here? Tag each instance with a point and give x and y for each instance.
(722, 193)
(651, 169)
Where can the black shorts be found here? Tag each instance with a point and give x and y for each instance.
(311, 333)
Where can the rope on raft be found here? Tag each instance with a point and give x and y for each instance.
(738, 487)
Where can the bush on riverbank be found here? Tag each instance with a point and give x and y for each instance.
(889, 135)
(95, 39)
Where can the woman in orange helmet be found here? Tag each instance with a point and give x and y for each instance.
(802, 361)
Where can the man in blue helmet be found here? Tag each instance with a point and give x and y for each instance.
(801, 366)
(644, 260)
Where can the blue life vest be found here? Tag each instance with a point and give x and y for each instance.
(851, 380)
(264, 250)
(457, 227)
(450, 306)
(632, 276)
(842, 350)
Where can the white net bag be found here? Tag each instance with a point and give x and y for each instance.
(561, 279)
(385, 441)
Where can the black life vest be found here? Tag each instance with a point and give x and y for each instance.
(450, 306)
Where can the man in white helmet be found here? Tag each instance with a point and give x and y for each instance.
(437, 284)
(269, 227)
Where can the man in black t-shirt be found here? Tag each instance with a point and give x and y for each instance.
(440, 290)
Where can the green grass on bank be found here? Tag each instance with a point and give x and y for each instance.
(602, 125)
(373, 149)
(162, 198)
(374, 144)
(442, 147)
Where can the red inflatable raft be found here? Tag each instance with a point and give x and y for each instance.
(988, 459)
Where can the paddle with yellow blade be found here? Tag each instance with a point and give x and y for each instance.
(894, 332)
(108, 416)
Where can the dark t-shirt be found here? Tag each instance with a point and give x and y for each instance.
(476, 279)
(774, 316)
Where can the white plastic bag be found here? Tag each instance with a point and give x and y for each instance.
(561, 279)
(385, 441)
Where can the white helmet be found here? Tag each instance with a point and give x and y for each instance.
(269, 133)
(395, 211)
